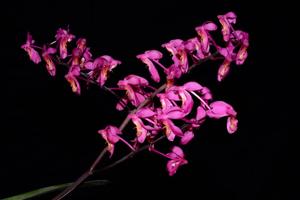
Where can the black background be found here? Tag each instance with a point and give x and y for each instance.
(49, 135)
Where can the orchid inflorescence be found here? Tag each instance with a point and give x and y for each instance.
(174, 111)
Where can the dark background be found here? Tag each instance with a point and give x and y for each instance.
(49, 135)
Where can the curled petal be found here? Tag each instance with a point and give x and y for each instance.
(232, 124)
(74, 83)
(223, 70)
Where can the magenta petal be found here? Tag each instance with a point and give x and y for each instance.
(187, 137)
(171, 136)
(142, 136)
(232, 124)
(34, 56)
(145, 112)
(174, 113)
(231, 17)
(201, 113)
(153, 71)
(192, 86)
(89, 65)
(210, 26)
(172, 167)
(136, 80)
(220, 109)
(178, 151)
(223, 70)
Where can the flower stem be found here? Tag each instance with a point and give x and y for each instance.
(82, 178)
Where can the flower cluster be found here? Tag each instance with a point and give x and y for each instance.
(174, 112)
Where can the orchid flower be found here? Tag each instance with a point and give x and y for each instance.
(229, 56)
(205, 38)
(101, 67)
(182, 93)
(176, 160)
(148, 58)
(193, 45)
(81, 44)
(179, 55)
(142, 130)
(47, 56)
(221, 109)
(165, 116)
(71, 77)
(32, 53)
(242, 54)
(226, 21)
(111, 135)
(63, 37)
(132, 84)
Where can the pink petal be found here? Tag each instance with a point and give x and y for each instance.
(220, 109)
(201, 113)
(136, 80)
(187, 137)
(192, 86)
(34, 56)
(232, 125)
(223, 70)
(145, 112)
(210, 26)
(178, 151)
(174, 113)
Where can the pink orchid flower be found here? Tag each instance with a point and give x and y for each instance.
(242, 54)
(101, 67)
(111, 135)
(71, 77)
(47, 56)
(179, 55)
(148, 58)
(182, 93)
(76, 56)
(133, 85)
(165, 116)
(176, 160)
(142, 130)
(205, 38)
(63, 37)
(226, 21)
(229, 56)
(193, 45)
(32, 53)
(86, 57)
(221, 109)
(81, 44)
